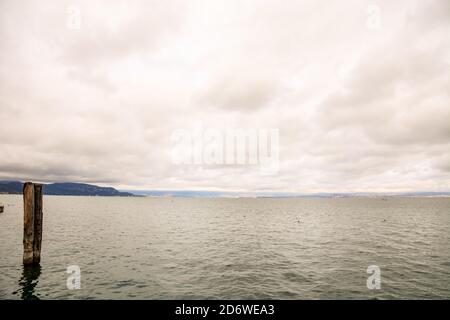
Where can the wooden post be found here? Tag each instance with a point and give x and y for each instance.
(32, 223)
(38, 217)
(28, 222)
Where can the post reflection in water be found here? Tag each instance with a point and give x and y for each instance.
(28, 282)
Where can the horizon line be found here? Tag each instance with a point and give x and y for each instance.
(253, 192)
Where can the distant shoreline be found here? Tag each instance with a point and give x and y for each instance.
(379, 197)
(84, 189)
(66, 189)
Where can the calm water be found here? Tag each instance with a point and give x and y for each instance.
(163, 248)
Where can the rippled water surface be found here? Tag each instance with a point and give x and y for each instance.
(173, 248)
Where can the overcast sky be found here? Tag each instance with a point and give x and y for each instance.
(92, 91)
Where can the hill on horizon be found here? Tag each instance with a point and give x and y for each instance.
(65, 189)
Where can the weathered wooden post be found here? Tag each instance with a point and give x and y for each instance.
(38, 217)
(32, 223)
(28, 222)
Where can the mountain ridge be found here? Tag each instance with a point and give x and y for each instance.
(65, 189)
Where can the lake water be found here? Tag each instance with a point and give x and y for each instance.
(180, 248)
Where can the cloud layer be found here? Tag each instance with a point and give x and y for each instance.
(359, 106)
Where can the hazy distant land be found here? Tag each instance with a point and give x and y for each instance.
(84, 189)
(65, 189)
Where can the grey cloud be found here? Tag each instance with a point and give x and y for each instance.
(240, 90)
(357, 109)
